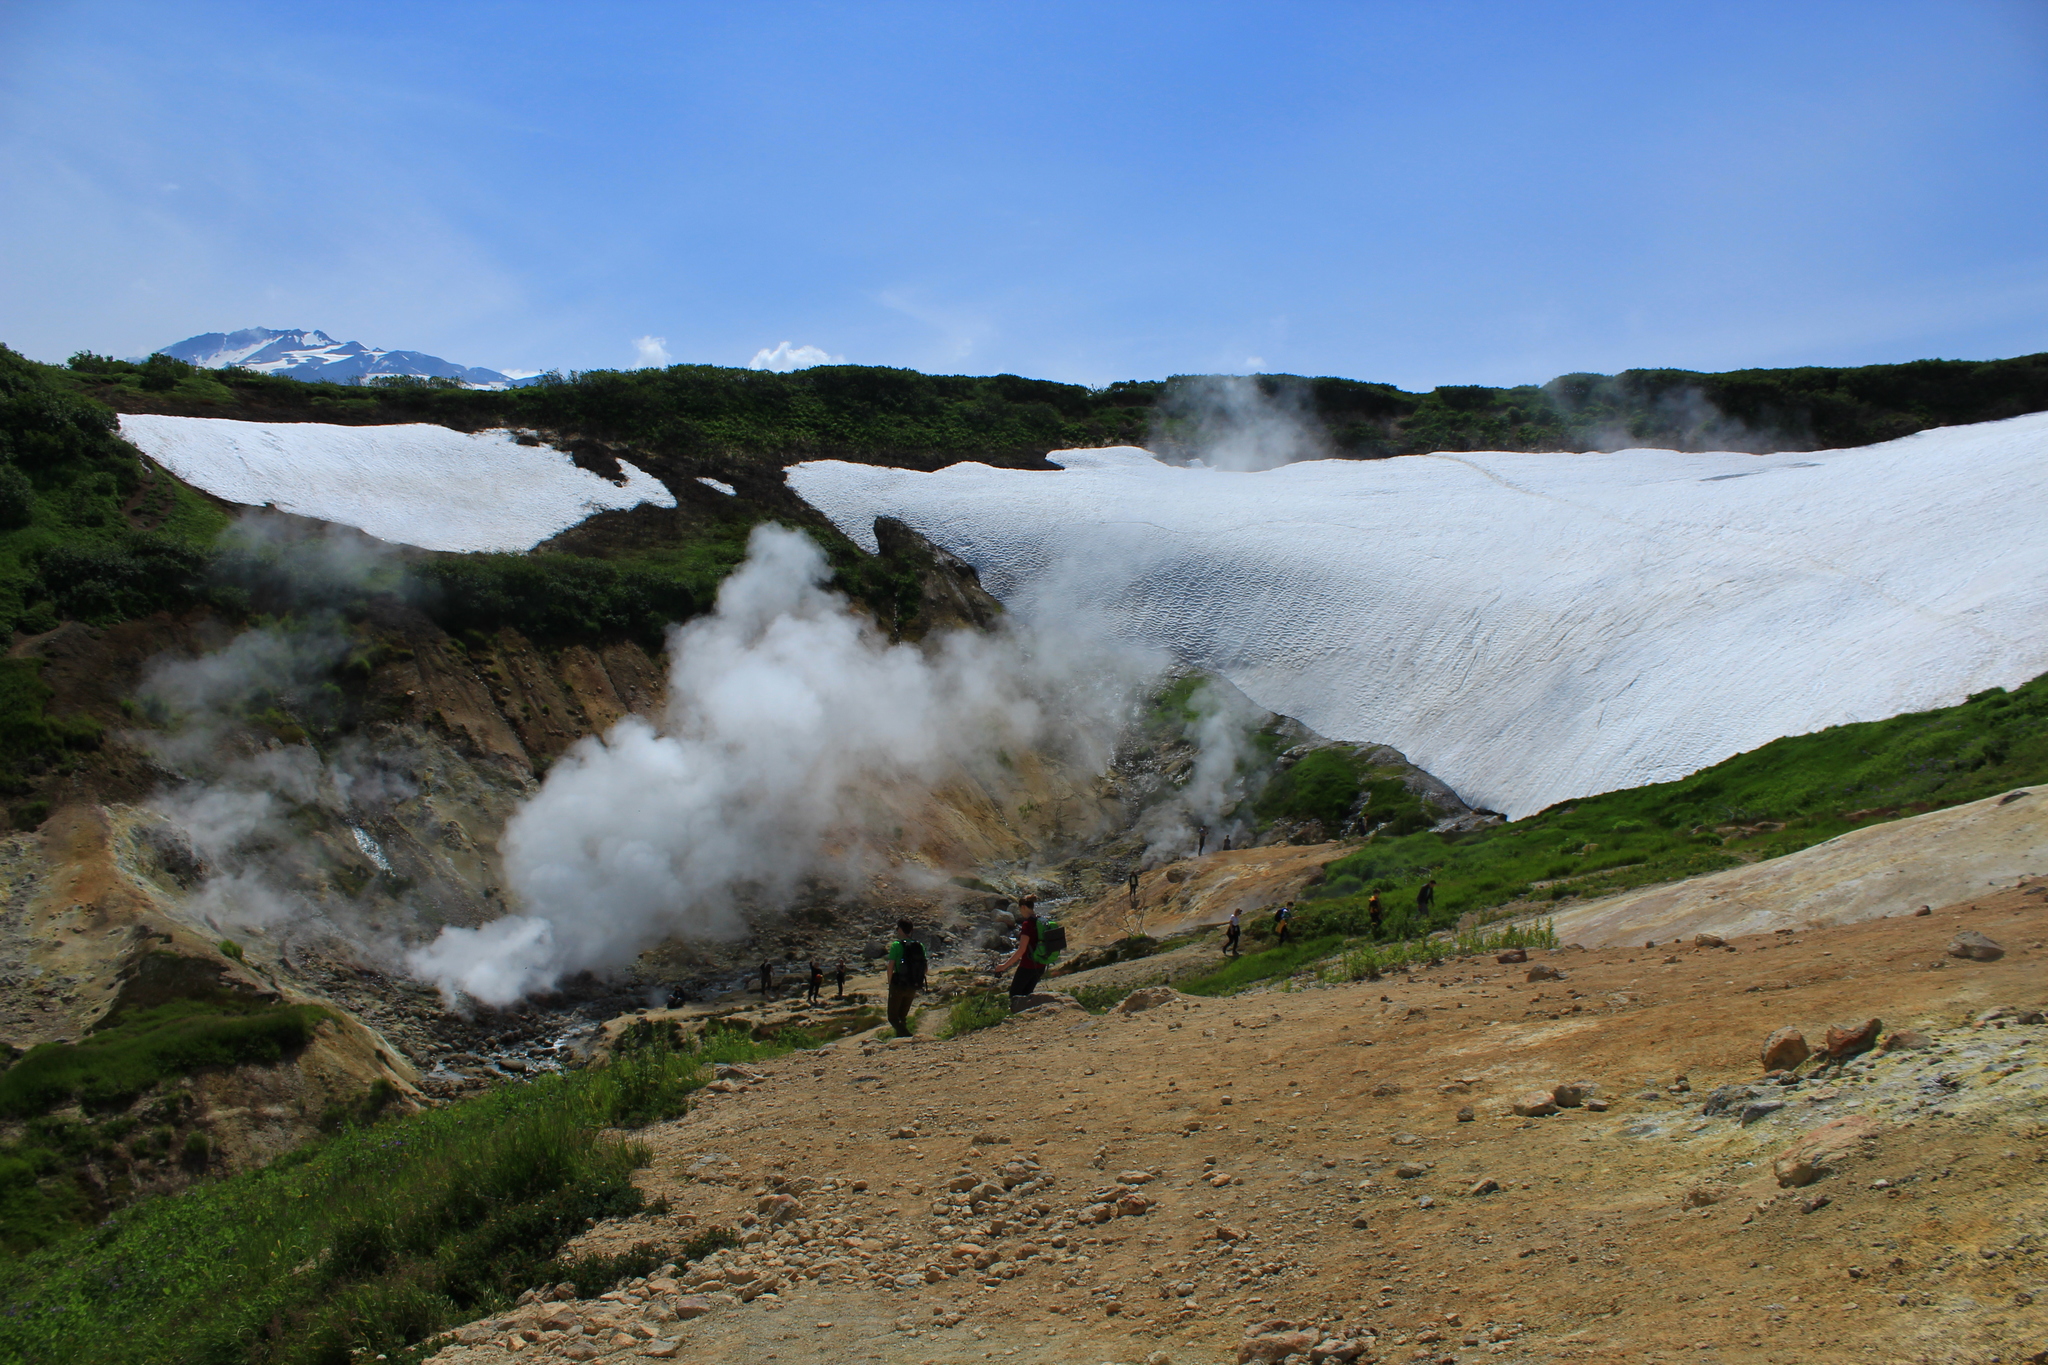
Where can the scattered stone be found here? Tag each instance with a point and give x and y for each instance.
(1814, 1203)
(1761, 1109)
(1385, 1089)
(2007, 1014)
(1406, 1140)
(1226, 1233)
(691, 1306)
(1097, 1213)
(1596, 1105)
(1486, 1186)
(1361, 1221)
(1544, 972)
(1974, 946)
(1408, 1170)
(1535, 1104)
(1465, 1114)
(1148, 998)
(1708, 941)
(1785, 1050)
(1571, 1095)
(904, 1133)
(1851, 1040)
(1510, 955)
(1905, 1040)
(661, 1350)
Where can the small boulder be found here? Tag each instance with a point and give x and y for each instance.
(1149, 998)
(1486, 1186)
(1974, 946)
(1544, 972)
(778, 1208)
(1704, 1196)
(1535, 1104)
(1274, 1346)
(1923, 910)
(1785, 1050)
(1225, 1233)
(1465, 1114)
(1905, 1040)
(1510, 955)
(2007, 1014)
(1707, 941)
(1809, 1158)
(1572, 1094)
(1596, 1105)
(1409, 1170)
(1852, 1040)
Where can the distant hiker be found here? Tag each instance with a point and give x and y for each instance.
(816, 994)
(767, 979)
(1280, 918)
(907, 964)
(1201, 839)
(840, 972)
(1134, 888)
(1226, 841)
(1232, 934)
(1425, 899)
(1372, 909)
(1032, 955)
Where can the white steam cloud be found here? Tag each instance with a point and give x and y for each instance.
(1201, 814)
(1239, 422)
(785, 357)
(651, 352)
(796, 738)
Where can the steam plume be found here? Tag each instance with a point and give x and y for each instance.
(1241, 422)
(795, 737)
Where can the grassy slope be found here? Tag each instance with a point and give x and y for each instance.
(1785, 796)
(369, 1241)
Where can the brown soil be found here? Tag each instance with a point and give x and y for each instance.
(1922, 1242)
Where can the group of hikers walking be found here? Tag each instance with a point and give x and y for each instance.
(1283, 917)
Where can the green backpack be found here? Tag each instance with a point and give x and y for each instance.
(1052, 941)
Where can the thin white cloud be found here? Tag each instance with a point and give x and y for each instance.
(653, 351)
(786, 357)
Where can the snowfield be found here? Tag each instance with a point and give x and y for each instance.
(1532, 627)
(415, 485)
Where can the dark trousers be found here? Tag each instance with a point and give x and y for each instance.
(1026, 980)
(900, 999)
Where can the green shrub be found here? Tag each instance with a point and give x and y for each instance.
(977, 1011)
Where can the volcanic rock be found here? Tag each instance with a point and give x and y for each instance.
(1785, 1050)
(1974, 946)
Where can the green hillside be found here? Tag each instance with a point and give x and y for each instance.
(1787, 795)
(735, 420)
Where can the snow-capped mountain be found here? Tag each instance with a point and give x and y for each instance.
(316, 356)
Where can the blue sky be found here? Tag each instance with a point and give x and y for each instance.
(1422, 194)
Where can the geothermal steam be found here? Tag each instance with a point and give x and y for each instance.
(795, 739)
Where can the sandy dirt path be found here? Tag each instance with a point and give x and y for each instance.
(1299, 1158)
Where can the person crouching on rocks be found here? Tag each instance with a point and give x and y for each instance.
(1025, 959)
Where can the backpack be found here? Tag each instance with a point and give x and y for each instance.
(1052, 941)
(911, 970)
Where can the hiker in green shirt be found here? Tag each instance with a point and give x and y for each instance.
(907, 966)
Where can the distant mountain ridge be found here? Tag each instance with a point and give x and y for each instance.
(318, 358)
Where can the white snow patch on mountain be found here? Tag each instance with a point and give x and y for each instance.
(1533, 627)
(415, 485)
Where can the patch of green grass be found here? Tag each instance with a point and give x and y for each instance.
(977, 1011)
(1239, 973)
(370, 1241)
(1787, 795)
(1370, 961)
(109, 1068)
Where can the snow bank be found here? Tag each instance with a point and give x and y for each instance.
(1533, 627)
(416, 485)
